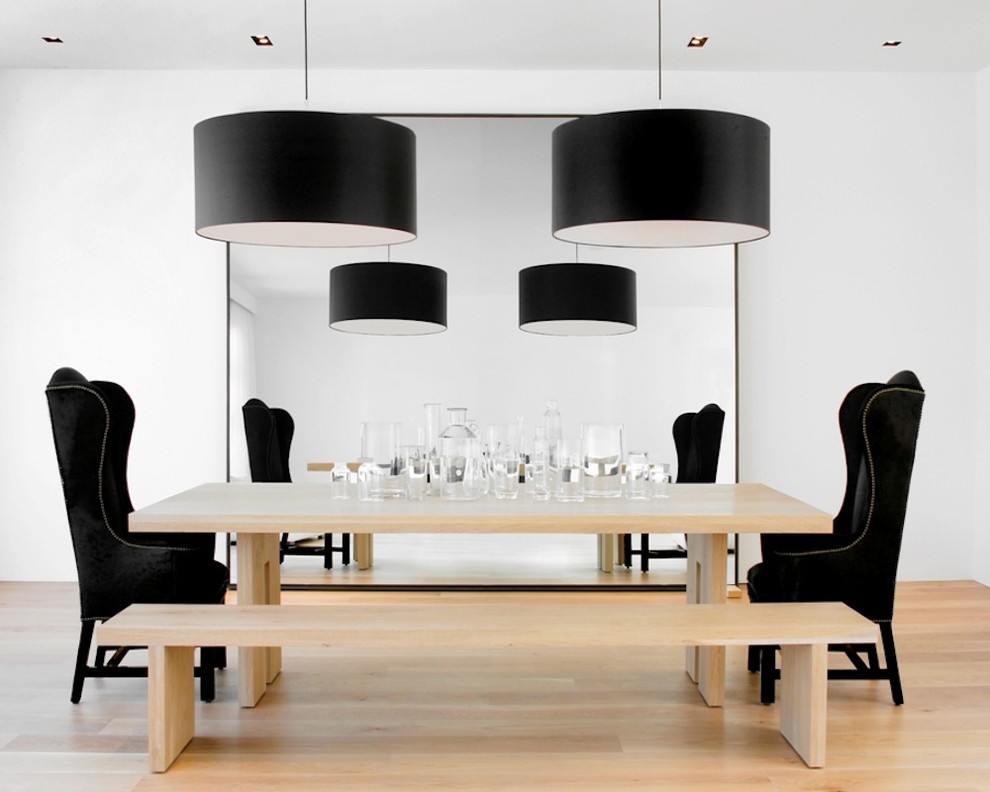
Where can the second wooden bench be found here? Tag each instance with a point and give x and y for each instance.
(486, 621)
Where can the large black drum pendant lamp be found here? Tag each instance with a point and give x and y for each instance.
(577, 299)
(305, 179)
(388, 298)
(661, 178)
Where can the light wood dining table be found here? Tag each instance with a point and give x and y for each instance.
(258, 513)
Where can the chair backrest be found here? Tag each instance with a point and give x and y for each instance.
(91, 425)
(879, 423)
(698, 440)
(269, 435)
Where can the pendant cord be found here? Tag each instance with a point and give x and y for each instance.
(660, 52)
(306, 49)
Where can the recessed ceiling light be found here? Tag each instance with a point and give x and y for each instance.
(52, 40)
(892, 43)
(262, 41)
(698, 41)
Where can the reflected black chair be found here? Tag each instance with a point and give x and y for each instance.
(856, 563)
(92, 424)
(697, 440)
(269, 432)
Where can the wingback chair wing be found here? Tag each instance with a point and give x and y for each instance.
(857, 562)
(697, 440)
(92, 424)
(269, 432)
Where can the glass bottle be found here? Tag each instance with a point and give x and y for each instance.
(554, 431)
(537, 468)
(461, 466)
(432, 448)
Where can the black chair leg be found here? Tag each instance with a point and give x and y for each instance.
(753, 658)
(328, 551)
(82, 658)
(209, 661)
(890, 655)
(644, 552)
(768, 674)
(345, 549)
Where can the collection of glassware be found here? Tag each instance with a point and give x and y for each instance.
(456, 464)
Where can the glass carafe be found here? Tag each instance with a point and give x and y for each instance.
(462, 468)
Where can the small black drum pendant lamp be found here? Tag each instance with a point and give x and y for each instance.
(577, 299)
(661, 178)
(388, 298)
(305, 179)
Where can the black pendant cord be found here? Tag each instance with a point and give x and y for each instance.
(306, 50)
(660, 53)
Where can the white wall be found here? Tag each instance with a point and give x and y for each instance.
(981, 468)
(872, 267)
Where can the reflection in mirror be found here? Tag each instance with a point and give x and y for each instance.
(484, 201)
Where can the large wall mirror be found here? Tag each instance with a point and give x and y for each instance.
(484, 203)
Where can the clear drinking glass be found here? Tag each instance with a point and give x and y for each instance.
(380, 445)
(503, 449)
(462, 467)
(338, 481)
(601, 459)
(637, 475)
(571, 472)
(660, 475)
(369, 480)
(415, 464)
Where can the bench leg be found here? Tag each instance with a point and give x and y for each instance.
(804, 700)
(706, 583)
(171, 714)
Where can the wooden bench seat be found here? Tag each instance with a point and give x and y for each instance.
(482, 621)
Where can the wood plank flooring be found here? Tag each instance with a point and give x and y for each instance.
(594, 719)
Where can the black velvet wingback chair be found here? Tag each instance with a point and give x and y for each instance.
(269, 432)
(92, 424)
(857, 562)
(697, 440)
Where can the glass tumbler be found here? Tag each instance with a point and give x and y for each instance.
(601, 460)
(380, 446)
(637, 476)
(415, 463)
(338, 481)
(503, 448)
(571, 472)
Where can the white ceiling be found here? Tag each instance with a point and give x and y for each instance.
(843, 35)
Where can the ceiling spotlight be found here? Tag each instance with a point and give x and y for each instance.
(262, 41)
(698, 41)
(892, 43)
(52, 40)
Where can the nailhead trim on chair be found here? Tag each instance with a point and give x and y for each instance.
(103, 451)
(869, 461)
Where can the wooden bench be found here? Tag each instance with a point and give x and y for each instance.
(481, 621)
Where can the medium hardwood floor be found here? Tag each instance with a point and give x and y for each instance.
(595, 719)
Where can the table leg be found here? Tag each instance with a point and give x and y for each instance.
(706, 583)
(606, 552)
(258, 583)
(804, 700)
(171, 709)
(364, 550)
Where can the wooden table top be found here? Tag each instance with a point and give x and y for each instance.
(308, 507)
